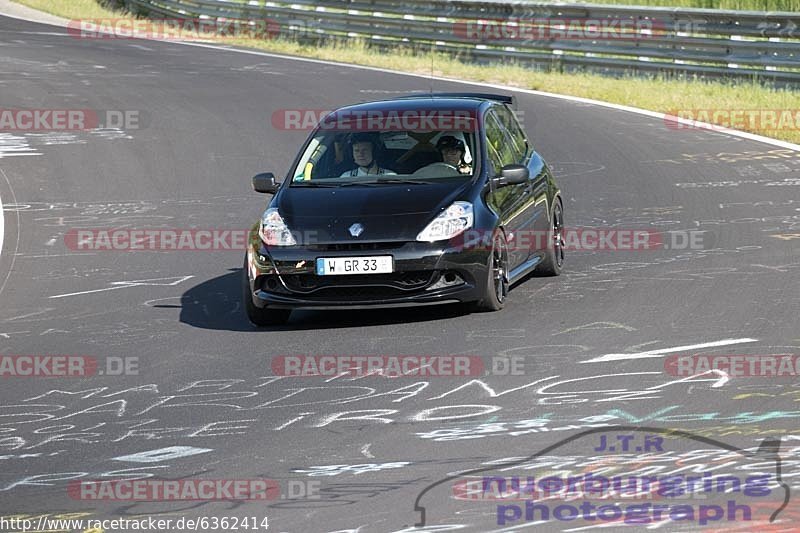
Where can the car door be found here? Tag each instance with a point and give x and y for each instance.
(535, 224)
(509, 201)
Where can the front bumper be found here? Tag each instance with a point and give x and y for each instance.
(424, 274)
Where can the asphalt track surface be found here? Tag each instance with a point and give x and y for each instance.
(366, 448)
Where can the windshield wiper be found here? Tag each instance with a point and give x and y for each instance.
(391, 181)
(365, 183)
(314, 184)
(358, 183)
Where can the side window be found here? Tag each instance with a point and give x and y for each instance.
(498, 146)
(515, 133)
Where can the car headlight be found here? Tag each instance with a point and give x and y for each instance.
(452, 221)
(274, 231)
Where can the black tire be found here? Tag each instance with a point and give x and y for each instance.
(256, 315)
(553, 260)
(497, 280)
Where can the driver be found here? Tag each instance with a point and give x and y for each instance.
(452, 150)
(365, 147)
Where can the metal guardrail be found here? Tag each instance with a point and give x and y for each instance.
(679, 41)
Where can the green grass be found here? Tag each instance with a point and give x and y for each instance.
(746, 5)
(657, 94)
(71, 9)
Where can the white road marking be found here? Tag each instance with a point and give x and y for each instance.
(54, 34)
(26, 256)
(150, 302)
(14, 145)
(597, 325)
(162, 454)
(658, 353)
(7, 334)
(365, 451)
(127, 284)
(28, 315)
(520, 526)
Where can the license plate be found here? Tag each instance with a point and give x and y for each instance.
(335, 266)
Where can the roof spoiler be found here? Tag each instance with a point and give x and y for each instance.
(502, 98)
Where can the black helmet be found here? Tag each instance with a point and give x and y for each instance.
(448, 141)
(365, 137)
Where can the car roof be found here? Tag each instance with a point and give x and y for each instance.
(428, 102)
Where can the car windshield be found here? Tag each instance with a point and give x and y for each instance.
(368, 158)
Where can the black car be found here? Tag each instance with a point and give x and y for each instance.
(419, 200)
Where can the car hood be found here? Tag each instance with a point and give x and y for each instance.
(386, 212)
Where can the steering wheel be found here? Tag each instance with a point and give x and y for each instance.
(437, 170)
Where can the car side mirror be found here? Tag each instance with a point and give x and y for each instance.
(512, 175)
(265, 182)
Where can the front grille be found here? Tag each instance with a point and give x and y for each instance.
(354, 294)
(397, 282)
(355, 246)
